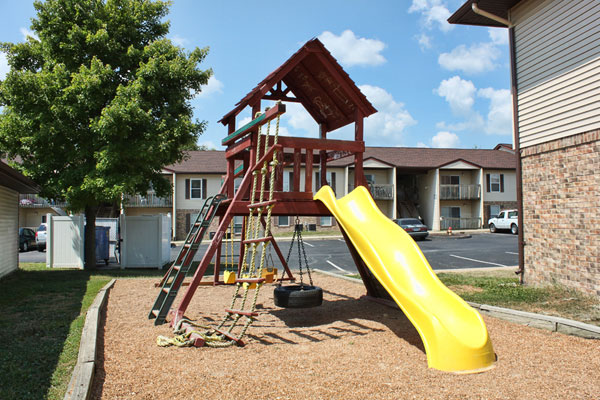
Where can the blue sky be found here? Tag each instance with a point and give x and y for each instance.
(434, 84)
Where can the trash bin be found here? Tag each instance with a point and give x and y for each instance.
(103, 243)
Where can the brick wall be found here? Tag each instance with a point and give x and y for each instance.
(561, 212)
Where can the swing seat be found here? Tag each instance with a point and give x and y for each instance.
(251, 285)
(269, 274)
(229, 277)
(298, 296)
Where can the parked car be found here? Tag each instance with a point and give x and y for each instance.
(26, 239)
(415, 228)
(507, 219)
(40, 236)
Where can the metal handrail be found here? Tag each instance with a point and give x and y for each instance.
(460, 192)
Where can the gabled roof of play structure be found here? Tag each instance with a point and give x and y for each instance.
(319, 83)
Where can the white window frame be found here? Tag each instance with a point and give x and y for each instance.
(495, 180)
(326, 218)
(279, 220)
(198, 189)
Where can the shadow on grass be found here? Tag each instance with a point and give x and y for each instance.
(38, 309)
(43, 313)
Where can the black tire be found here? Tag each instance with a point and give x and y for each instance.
(493, 228)
(41, 248)
(297, 296)
(514, 229)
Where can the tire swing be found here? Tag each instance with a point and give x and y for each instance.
(302, 295)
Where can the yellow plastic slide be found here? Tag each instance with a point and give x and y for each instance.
(453, 333)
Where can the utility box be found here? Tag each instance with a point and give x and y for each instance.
(103, 243)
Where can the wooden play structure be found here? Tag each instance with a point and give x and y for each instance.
(257, 154)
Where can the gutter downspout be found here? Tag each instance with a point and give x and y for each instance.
(491, 16)
(513, 78)
(519, 172)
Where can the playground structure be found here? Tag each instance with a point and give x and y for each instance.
(313, 78)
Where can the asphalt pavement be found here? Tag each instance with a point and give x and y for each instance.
(482, 250)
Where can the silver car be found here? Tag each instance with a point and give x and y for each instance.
(40, 236)
(415, 228)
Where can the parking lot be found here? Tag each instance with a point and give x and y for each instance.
(481, 250)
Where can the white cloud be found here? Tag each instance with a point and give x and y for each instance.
(179, 40)
(391, 119)
(445, 140)
(498, 36)
(433, 13)
(4, 67)
(459, 93)
(27, 33)
(351, 50)
(213, 86)
(424, 41)
(422, 145)
(475, 59)
(499, 118)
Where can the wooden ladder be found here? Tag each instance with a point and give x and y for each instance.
(174, 277)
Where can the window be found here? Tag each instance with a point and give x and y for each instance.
(283, 220)
(326, 221)
(451, 212)
(288, 181)
(494, 183)
(494, 210)
(330, 180)
(450, 179)
(512, 214)
(195, 189)
(370, 178)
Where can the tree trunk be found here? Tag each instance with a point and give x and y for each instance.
(90, 237)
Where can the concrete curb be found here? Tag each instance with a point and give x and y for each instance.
(83, 373)
(547, 322)
(540, 321)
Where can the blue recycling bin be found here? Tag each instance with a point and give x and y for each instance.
(103, 243)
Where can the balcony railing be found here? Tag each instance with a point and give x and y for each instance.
(379, 191)
(149, 200)
(35, 201)
(460, 223)
(460, 192)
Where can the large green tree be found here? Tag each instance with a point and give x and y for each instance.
(99, 102)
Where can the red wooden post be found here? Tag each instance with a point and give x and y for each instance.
(323, 158)
(297, 162)
(359, 175)
(230, 162)
(308, 169)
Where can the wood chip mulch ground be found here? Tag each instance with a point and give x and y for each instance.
(346, 349)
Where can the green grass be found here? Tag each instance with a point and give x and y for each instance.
(43, 312)
(502, 289)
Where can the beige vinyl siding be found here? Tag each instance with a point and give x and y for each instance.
(9, 230)
(558, 68)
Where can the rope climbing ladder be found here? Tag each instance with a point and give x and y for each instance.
(242, 310)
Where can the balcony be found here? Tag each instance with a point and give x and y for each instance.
(149, 200)
(460, 192)
(460, 223)
(35, 201)
(379, 192)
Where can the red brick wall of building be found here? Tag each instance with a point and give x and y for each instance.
(561, 212)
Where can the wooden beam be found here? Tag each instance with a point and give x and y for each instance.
(296, 173)
(308, 170)
(322, 144)
(253, 125)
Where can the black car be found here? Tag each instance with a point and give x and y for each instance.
(415, 228)
(26, 239)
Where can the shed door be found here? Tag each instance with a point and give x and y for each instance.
(9, 230)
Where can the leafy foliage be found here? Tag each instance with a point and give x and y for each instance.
(101, 102)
